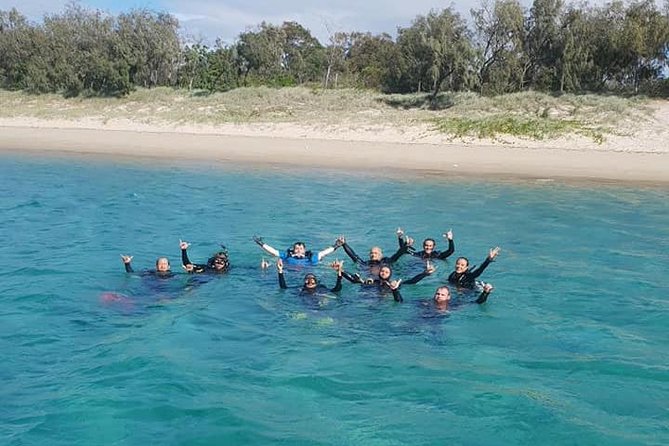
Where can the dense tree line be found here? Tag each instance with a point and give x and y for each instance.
(552, 46)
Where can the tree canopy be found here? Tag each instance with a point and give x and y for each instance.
(550, 46)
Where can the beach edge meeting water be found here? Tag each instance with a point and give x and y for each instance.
(253, 144)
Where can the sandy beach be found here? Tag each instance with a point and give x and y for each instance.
(639, 157)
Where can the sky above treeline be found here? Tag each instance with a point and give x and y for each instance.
(211, 19)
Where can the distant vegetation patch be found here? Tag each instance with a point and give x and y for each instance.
(493, 127)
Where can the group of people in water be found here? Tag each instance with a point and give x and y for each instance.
(375, 272)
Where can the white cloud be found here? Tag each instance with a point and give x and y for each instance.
(226, 19)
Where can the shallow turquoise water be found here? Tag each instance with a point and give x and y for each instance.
(571, 348)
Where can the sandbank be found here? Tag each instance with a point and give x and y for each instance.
(374, 150)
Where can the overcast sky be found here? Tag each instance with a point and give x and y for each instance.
(210, 19)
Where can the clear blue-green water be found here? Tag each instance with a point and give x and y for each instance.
(571, 348)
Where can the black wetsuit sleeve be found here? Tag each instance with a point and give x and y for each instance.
(400, 252)
(351, 278)
(282, 282)
(445, 254)
(401, 242)
(417, 278)
(478, 271)
(337, 287)
(128, 268)
(483, 297)
(355, 257)
(184, 258)
(397, 296)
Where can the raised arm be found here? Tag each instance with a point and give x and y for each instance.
(338, 266)
(268, 249)
(491, 257)
(400, 252)
(126, 263)
(279, 270)
(185, 261)
(429, 269)
(330, 249)
(349, 251)
(189, 266)
(483, 297)
(451, 246)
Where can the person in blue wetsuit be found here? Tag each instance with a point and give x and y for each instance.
(296, 254)
(385, 283)
(429, 244)
(311, 285)
(218, 263)
(463, 277)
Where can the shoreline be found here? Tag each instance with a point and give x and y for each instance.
(256, 146)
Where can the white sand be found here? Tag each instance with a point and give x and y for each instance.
(641, 157)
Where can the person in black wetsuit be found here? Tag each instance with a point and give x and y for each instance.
(376, 258)
(384, 282)
(311, 285)
(463, 277)
(442, 296)
(162, 267)
(218, 263)
(428, 252)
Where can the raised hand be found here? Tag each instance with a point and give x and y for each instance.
(340, 241)
(258, 240)
(338, 265)
(494, 252)
(183, 245)
(279, 266)
(189, 268)
(429, 267)
(449, 234)
(487, 288)
(394, 284)
(126, 259)
(264, 264)
(399, 232)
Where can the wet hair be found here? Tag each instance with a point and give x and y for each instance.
(161, 258)
(430, 240)
(389, 269)
(291, 251)
(462, 258)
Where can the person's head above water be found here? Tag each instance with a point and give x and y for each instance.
(461, 265)
(310, 281)
(299, 249)
(162, 265)
(428, 245)
(385, 272)
(442, 294)
(375, 254)
(219, 261)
